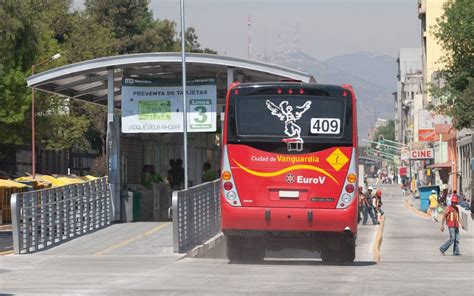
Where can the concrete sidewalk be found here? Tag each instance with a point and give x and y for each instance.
(139, 238)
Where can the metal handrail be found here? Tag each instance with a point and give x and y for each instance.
(45, 218)
(196, 215)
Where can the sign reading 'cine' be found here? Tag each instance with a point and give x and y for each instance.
(421, 154)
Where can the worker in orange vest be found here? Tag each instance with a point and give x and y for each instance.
(452, 218)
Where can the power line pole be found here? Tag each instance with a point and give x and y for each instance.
(185, 112)
(249, 24)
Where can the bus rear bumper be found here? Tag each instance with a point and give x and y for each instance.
(289, 219)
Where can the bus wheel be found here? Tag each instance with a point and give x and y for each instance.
(253, 253)
(348, 251)
(234, 248)
(329, 255)
(244, 250)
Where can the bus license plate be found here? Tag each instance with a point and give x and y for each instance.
(289, 194)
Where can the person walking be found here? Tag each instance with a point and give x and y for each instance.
(368, 207)
(360, 204)
(453, 220)
(449, 196)
(378, 202)
(434, 205)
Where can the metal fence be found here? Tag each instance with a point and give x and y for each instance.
(45, 218)
(196, 215)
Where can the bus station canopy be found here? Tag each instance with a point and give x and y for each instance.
(87, 80)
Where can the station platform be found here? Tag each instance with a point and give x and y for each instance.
(138, 238)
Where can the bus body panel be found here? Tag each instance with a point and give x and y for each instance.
(289, 219)
(314, 183)
(270, 197)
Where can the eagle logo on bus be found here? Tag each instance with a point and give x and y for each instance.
(285, 113)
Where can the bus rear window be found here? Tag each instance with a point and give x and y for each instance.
(307, 117)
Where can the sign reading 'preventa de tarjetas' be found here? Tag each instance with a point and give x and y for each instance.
(156, 105)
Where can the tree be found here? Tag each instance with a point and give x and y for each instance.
(455, 32)
(135, 29)
(26, 39)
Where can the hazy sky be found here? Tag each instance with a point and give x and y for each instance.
(324, 28)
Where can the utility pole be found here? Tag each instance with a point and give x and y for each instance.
(33, 126)
(249, 24)
(185, 112)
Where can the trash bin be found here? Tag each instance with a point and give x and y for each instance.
(425, 193)
(131, 206)
(136, 206)
(126, 205)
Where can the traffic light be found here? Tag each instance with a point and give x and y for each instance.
(380, 143)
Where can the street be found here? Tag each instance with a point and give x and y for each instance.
(410, 263)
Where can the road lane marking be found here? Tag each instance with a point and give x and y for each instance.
(378, 241)
(372, 242)
(416, 211)
(133, 238)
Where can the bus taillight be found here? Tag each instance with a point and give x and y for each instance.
(226, 175)
(351, 178)
(349, 188)
(228, 185)
(301, 91)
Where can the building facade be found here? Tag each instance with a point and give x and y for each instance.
(428, 12)
(409, 95)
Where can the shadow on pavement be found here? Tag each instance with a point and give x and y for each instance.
(6, 241)
(303, 262)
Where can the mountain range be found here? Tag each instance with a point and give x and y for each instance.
(372, 75)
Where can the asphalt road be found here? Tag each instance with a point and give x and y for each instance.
(410, 263)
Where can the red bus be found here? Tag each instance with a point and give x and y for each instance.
(289, 170)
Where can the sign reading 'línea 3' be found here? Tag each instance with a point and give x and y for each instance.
(156, 105)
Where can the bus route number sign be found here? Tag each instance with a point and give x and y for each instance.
(200, 114)
(325, 126)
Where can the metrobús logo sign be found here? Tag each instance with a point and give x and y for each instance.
(290, 179)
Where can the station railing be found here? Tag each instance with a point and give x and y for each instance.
(45, 218)
(196, 215)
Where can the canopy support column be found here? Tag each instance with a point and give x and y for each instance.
(113, 147)
(230, 76)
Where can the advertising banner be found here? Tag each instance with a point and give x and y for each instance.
(156, 105)
(427, 135)
(426, 125)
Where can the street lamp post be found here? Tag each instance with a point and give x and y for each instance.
(185, 112)
(33, 132)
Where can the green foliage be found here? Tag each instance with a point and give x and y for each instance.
(87, 39)
(455, 32)
(26, 36)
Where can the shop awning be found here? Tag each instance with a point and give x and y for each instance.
(442, 165)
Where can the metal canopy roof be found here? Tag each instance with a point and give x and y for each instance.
(88, 80)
